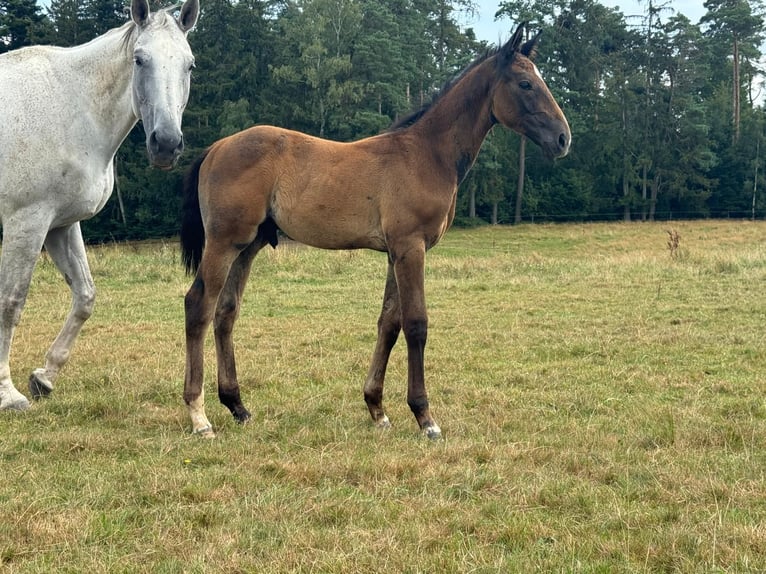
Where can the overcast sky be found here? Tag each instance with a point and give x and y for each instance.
(487, 29)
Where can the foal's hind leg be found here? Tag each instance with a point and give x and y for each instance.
(66, 248)
(389, 325)
(226, 315)
(199, 306)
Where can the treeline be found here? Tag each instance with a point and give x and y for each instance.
(666, 114)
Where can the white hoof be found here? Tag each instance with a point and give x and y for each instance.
(11, 399)
(204, 432)
(433, 432)
(383, 423)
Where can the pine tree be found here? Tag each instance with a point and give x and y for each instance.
(22, 23)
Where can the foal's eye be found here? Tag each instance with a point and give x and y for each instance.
(525, 85)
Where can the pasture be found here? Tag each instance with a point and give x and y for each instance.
(602, 398)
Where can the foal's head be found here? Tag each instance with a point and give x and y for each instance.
(522, 101)
(162, 64)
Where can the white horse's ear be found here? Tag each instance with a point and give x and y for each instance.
(139, 11)
(189, 14)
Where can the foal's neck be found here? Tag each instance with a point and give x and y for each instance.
(459, 121)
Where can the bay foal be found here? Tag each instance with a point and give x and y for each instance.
(394, 192)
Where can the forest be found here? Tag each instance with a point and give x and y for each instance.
(667, 115)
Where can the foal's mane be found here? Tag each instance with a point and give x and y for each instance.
(411, 118)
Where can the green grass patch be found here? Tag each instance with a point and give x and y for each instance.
(601, 397)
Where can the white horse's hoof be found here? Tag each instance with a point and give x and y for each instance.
(11, 399)
(433, 432)
(39, 385)
(204, 432)
(18, 404)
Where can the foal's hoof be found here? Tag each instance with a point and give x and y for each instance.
(432, 432)
(242, 416)
(39, 385)
(383, 423)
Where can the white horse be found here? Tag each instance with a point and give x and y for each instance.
(64, 113)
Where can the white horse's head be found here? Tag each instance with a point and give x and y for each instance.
(162, 65)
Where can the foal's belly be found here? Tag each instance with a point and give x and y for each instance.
(334, 233)
(320, 226)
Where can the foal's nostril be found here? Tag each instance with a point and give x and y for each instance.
(563, 141)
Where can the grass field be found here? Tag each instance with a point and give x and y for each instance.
(602, 398)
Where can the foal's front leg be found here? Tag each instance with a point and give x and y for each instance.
(409, 270)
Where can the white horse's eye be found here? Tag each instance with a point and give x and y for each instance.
(138, 61)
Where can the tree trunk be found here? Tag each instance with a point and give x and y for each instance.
(755, 176)
(653, 201)
(520, 181)
(736, 90)
(119, 195)
(625, 194)
(644, 186)
(472, 201)
(321, 118)
(625, 167)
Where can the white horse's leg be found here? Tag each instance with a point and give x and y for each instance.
(67, 250)
(21, 248)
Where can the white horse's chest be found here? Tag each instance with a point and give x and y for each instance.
(75, 184)
(82, 193)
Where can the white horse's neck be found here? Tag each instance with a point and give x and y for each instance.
(104, 67)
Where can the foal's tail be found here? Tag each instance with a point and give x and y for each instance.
(192, 230)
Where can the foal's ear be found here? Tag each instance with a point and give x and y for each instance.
(529, 49)
(188, 16)
(139, 11)
(511, 46)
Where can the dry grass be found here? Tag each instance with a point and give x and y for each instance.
(601, 394)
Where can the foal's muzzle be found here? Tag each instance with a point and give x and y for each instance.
(557, 146)
(164, 148)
